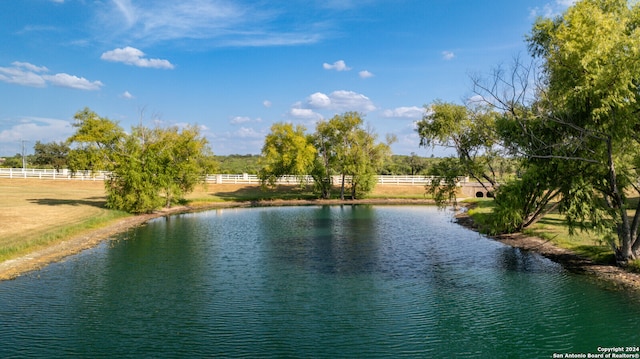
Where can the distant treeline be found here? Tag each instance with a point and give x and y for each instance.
(397, 165)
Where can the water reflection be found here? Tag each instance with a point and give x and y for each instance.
(342, 281)
(328, 239)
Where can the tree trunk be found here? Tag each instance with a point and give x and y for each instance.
(541, 212)
(353, 190)
(342, 188)
(624, 252)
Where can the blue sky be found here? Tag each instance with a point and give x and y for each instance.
(235, 67)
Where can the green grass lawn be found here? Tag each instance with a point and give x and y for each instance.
(554, 229)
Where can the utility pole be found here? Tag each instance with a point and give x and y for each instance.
(24, 162)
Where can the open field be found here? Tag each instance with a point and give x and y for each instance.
(36, 213)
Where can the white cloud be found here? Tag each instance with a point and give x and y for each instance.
(337, 101)
(244, 119)
(240, 119)
(127, 95)
(339, 65)
(21, 75)
(248, 132)
(304, 114)
(228, 23)
(33, 129)
(132, 56)
(71, 81)
(30, 67)
(448, 55)
(340, 101)
(365, 74)
(26, 74)
(319, 100)
(550, 10)
(267, 103)
(413, 112)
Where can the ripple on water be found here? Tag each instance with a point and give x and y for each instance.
(350, 281)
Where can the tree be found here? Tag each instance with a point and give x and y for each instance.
(96, 140)
(15, 161)
(52, 154)
(368, 158)
(513, 95)
(338, 146)
(287, 150)
(415, 163)
(470, 130)
(586, 116)
(150, 168)
(350, 151)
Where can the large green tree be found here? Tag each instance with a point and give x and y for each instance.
(52, 154)
(470, 131)
(150, 168)
(340, 146)
(349, 150)
(586, 118)
(287, 150)
(95, 141)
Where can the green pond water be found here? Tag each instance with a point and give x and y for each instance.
(311, 282)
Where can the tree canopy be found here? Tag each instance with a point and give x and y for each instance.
(149, 168)
(340, 146)
(286, 151)
(52, 154)
(575, 130)
(470, 131)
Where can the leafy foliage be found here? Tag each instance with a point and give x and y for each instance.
(286, 151)
(444, 185)
(150, 168)
(580, 131)
(339, 146)
(346, 148)
(238, 164)
(470, 130)
(52, 154)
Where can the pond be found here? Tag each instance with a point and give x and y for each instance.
(319, 281)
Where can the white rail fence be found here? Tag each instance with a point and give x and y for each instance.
(51, 174)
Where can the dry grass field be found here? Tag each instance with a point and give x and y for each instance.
(38, 213)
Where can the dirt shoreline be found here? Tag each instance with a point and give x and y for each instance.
(36, 260)
(609, 275)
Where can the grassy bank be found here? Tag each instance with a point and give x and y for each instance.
(554, 229)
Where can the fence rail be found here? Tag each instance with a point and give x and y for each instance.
(51, 174)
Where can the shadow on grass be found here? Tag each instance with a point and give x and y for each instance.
(255, 193)
(554, 221)
(98, 202)
(597, 253)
